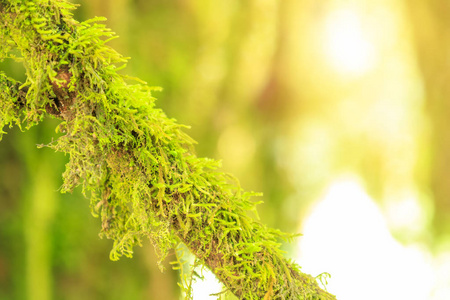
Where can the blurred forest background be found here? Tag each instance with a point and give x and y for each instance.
(336, 110)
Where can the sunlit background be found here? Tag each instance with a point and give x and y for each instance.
(336, 110)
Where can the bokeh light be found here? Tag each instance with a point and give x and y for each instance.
(347, 45)
(347, 236)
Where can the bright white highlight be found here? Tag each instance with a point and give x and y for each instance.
(406, 214)
(346, 236)
(202, 289)
(346, 44)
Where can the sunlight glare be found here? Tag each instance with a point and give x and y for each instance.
(202, 289)
(347, 236)
(346, 43)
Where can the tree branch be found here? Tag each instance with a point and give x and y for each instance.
(136, 165)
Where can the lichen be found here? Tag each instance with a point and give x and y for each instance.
(136, 165)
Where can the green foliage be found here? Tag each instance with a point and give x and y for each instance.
(136, 165)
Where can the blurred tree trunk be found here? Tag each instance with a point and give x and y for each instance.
(12, 266)
(40, 208)
(431, 24)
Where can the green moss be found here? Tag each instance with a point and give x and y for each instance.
(136, 165)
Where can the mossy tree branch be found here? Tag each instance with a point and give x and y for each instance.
(136, 165)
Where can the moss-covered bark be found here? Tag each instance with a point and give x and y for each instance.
(135, 164)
